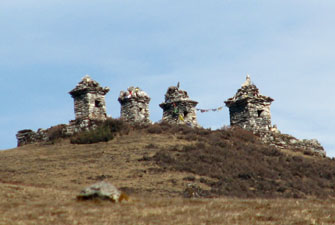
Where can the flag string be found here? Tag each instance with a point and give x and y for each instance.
(210, 110)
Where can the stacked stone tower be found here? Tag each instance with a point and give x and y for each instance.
(89, 100)
(178, 108)
(250, 110)
(135, 105)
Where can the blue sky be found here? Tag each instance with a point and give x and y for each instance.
(287, 47)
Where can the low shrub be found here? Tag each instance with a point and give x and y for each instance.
(56, 132)
(242, 166)
(100, 134)
(154, 129)
(104, 132)
(117, 126)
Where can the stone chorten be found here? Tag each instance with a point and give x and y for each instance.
(135, 105)
(250, 110)
(178, 108)
(89, 100)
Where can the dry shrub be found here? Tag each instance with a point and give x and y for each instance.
(245, 167)
(167, 128)
(190, 137)
(56, 132)
(104, 132)
(155, 129)
(117, 126)
(100, 134)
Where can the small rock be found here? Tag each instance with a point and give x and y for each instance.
(102, 190)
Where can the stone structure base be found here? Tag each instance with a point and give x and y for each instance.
(25, 137)
(285, 141)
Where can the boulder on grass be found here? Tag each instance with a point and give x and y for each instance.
(104, 191)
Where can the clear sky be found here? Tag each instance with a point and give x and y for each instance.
(287, 46)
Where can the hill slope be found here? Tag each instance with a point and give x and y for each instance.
(154, 165)
(162, 159)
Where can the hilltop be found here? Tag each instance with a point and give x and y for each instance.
(248, 109)
(162, 159)
(157, 162)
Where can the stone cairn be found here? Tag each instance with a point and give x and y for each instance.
(248, 109)
(89, 99)
(178, 108)
(135, 106)
(89, 108)
(251, 111)
(89, 104)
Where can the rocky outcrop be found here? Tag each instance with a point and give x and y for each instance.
(178, 108)
(135, 105)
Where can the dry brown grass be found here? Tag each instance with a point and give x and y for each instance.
(20, 204)
(68, 166)
(39, 184)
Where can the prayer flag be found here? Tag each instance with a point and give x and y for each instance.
(207, 110)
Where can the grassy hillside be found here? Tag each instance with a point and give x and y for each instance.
(39, 182)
